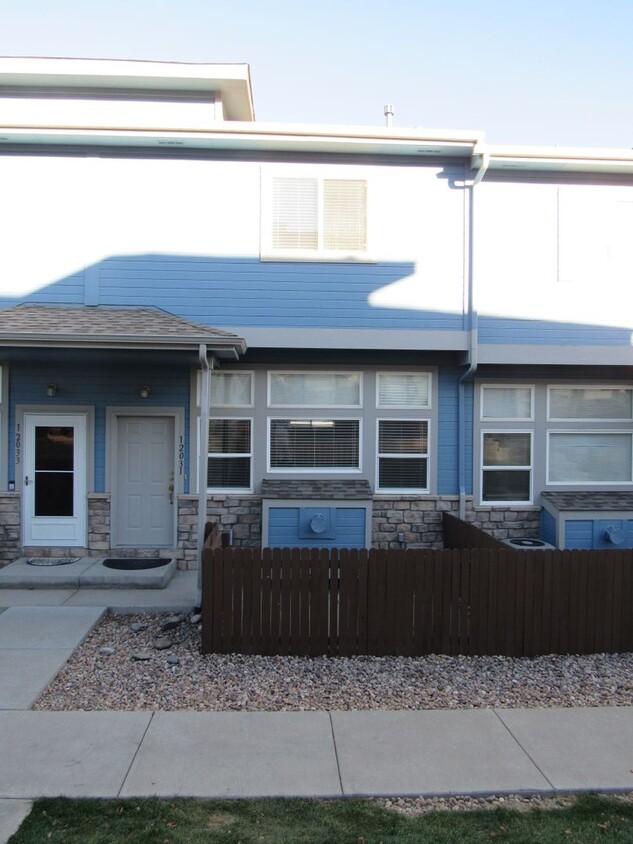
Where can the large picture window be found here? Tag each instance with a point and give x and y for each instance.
(314, 444)
(590, 457)
(230, 454)
(507, 466)
(403, 454)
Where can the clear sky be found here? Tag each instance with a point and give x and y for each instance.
(539, 72)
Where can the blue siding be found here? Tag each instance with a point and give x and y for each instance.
(578, 533)
(248, 292)
(548, 528)
(98, 386)
(448, 433)
(284, 529)
(66, 291)
(601, 526)
(543, 332)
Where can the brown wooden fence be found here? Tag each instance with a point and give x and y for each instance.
(416, 602)
(459, 534)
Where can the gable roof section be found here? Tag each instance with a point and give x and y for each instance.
(97, 326)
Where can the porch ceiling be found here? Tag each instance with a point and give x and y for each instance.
(102, 327)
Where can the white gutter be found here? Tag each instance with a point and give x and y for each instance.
(481, 161)
(203, 437)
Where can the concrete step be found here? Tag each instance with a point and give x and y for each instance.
(88, 572)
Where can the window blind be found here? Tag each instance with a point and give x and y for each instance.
(507, 403)
(403, 389)
(590, 403)
(290, 389)
(345, 214)
(314, 443)
(590, 457)
(295, 213)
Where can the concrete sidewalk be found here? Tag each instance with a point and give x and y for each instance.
(292, 754)
(314, 754)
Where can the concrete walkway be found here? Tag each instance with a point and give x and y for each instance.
(254, 754)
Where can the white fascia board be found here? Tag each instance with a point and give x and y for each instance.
(231, 81)
(559, 159)
(252, 137)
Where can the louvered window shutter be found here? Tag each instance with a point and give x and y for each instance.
(345, 214)
(295, 213)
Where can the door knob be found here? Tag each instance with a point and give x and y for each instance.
(26, 481)
(171, 493)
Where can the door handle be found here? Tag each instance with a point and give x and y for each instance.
(26, 481)
(171, 493)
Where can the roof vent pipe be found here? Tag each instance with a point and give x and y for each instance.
(389, 112)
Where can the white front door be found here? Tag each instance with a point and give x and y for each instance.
(54, 500)
(144, 491)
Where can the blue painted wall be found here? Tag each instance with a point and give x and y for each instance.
(284, 529)
(548, 527)
(579, 534)
(448, 432)
(98, 386)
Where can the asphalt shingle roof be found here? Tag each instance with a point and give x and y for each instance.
(318, 490)
(101, 322)
(590, 500)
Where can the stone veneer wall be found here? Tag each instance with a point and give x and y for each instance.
(418, 519)
(10, 542)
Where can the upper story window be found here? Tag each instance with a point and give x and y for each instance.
(314, 389)
(310, 217)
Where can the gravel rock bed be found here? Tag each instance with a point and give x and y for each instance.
(135, 662)
(413, 806)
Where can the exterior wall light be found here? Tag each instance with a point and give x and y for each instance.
(145, 391)
(51, 390)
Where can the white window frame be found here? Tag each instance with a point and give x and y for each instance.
(271, 253)
(273, 372)
(404, 490)
(513, 503)
(586, 419)
(317, 470)
(221, 372)
(488, 419)
(225, 489)
(584, 431)
(412, 407)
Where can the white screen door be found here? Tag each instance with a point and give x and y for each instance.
(54, 500)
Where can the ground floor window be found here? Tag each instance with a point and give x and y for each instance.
(403, 454)
(230, 454)
(507, 466)
(590, 457)
(323, 444)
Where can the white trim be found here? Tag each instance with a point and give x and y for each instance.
(219, 490)
(271, 372)
(321, 173)
(483, 467)
(491, 386)
(317, 470)
(587, 419)
(383, 490)
(580, 431)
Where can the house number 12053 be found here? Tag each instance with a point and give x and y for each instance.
(181, 455)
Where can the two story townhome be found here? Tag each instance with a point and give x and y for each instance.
(316, 335)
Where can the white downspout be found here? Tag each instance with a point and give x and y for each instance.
(203, 436)
(483, 160)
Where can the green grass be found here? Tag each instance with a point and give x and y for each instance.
(590, 819)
